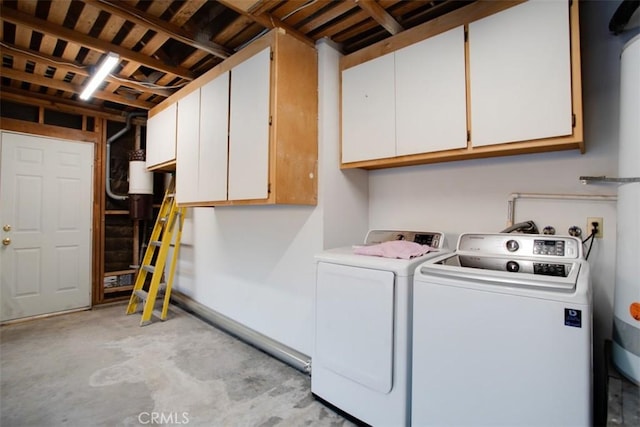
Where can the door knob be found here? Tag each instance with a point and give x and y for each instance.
(6, 227)
(6, 241)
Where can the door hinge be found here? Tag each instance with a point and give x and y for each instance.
(573, 120)
(468, 135)
(271, 55)
(466, 33)
(269, 188)
(270, 120)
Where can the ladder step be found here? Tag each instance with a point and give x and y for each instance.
(157, 313)
(157, 243)
(143, 295)
(149, 268)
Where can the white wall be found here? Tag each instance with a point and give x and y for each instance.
(255, 264)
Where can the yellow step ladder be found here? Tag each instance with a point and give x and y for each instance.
(166, 231)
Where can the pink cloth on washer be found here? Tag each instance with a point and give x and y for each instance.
(394, 249)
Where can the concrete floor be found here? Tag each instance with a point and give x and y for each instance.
(100, 368)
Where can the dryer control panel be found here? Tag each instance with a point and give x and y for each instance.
(429, 238)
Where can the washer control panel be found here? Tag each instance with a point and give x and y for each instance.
(525, 245)
(548, 247)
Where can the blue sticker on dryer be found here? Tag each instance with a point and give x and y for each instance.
(573, 317)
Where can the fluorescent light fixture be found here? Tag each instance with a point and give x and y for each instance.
(107, 65)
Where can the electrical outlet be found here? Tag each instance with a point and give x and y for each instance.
(598, 224)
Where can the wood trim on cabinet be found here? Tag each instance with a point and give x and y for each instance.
(294, 132)
(576, 76)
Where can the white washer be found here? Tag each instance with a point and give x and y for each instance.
(502, 334)
(361, 360)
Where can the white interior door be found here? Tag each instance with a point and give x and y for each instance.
(45, 215)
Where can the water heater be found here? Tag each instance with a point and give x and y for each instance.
(626, 305)
(140, 187)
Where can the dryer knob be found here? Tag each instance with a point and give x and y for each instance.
(513, 266)
(512, 245)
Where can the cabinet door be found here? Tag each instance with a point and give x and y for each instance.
(187, 148)
(520, 74)
(249, 128)
(431, 113)
(368, 110)
(214, 133)
(161, 137)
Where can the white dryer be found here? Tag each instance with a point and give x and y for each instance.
(502, 334)
(361, 360)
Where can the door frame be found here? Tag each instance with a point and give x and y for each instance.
(97, 137)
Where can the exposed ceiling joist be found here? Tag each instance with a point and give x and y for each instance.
(68, 67)
(37, 24)
(53, 102)
(265, 19)
(378, 13)
(134, 15)
(69, 87)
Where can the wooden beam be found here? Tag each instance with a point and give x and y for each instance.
(138, 17)
(379, 14)
(34, 23)
(266, 20)
(55, 62)
(241, 6)
(58, 103)
(46, 130)
(68, 87)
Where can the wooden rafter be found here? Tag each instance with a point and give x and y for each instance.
(30, 21)
(66, 67)
(378, 13)
(69, 87)
(134, 15)
(266, 20)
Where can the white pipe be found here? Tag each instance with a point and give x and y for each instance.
(511, 203)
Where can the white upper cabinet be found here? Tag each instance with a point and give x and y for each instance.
(187, 147)
(249, 128)
(406, 102)
(368, 110)
(495, 79)
(214, 131)
(431, 113)
(203, 117)
(520, 74)
(161, 138)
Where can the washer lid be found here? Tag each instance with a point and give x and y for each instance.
(401, 267)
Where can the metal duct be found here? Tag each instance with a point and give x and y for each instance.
(276, 349)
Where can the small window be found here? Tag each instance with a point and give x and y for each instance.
(58, 118)
(13, 110)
